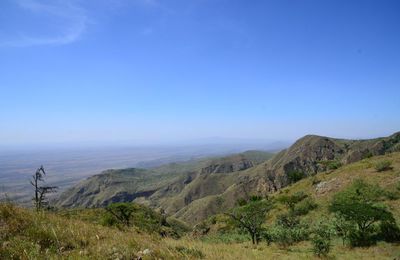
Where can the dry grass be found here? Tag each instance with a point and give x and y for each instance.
(300, 251)
(29, 235)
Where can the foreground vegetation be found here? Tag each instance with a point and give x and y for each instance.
(299, 222)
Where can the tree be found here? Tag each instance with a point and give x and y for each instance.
(122, 212)
(251, 216)
(359, 206)
(40, 199)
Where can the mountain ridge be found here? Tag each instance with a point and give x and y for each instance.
(215, 185)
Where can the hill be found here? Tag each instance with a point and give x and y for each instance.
(78, 234)
(193, 191)
(151, 186)
(306, 157)
(220, 237)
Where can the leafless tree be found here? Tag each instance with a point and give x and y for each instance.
(40, 201)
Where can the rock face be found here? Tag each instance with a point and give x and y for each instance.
(234, 164)
(209, 187)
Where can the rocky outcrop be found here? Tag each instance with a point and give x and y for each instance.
(312, 154)
(234, 164)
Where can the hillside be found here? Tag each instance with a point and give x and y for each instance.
(196, 190)
(151, 185)
(306, 157)
(72, 234)
(221, 237)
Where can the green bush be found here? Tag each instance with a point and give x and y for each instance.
(321, 246)
(305, 206)
(343, 228)
(331, 164)
(290, 201)
(362, 238)
(389, 231)
(295, 176)
(123, 215)
(367, 154)
(285, 237)
(287, 220)
(392, 195)
(321, 238)
(288, 230)
(383, 166)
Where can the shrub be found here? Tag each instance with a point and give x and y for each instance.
(389, 231)
(285, 237)
(383, 166)
(305, 206)
(362, 238)
(288, 230)
(121, 212)
(367, 154)
(331, 164)
(343, 228)
(392, 195)
(290, 201)
(287, 220)
(321, 238)
(267, 236)
(295, 176)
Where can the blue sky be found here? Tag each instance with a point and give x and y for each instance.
(154, 70)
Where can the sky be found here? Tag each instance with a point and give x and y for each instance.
(149, 71)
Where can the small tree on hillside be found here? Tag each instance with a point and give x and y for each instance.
(251, 216)
(359, 206)
(40, 199)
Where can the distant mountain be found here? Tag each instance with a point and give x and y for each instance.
(194, 190)
(151, 184)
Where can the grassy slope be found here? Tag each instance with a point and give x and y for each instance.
(26, 235)
(335, 181)
(50, 235)
(339, 179)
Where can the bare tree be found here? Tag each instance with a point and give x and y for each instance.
(40, 199)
